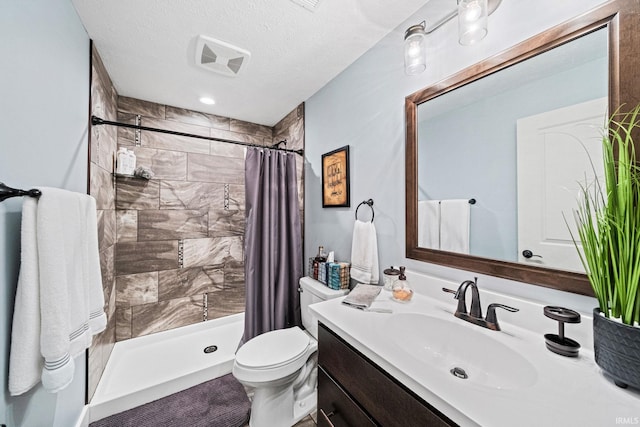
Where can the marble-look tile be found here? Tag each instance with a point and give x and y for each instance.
(223, 223)
(189, 281)
(106, 228)
(164, 315)
(227, 302)
(240, 137)
(123, 324)
(212, 251)
(215, 169)
(95, 367)
(296, 136)
(132, 193)
(168, 224)
(191, 195)
(249, 128)
(107, 269)
(196, 118)
(141, 257)
(165, 164)
(126, 136)
(236, 197)
(110, 309)
(136, 289)
(226, 149)
(234, 275)
(287, 121)
(102, 188)
(174, 126)
(183, 144)
(199, 195)
(144, 108)
(99, 70)
(126, 226)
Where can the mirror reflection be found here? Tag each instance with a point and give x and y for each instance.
(519, 142)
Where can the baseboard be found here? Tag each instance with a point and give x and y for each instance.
(83, 419)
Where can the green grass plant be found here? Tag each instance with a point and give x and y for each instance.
(608, 223)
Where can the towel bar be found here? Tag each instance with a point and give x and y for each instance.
(8, 192)
(368, 203)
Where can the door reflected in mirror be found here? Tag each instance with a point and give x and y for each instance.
(519, 142)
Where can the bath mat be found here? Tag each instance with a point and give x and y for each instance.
(221, 402)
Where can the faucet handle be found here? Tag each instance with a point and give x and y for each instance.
(450, 291)
(492, 319)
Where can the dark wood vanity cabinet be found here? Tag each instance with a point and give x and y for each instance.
(354, 391)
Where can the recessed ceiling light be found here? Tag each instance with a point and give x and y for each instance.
(207, 100)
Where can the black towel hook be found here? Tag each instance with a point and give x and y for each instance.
(8, 192)
(368, 203)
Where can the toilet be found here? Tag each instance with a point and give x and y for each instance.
(281, 365)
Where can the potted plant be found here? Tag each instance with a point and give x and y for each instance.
(608, 223)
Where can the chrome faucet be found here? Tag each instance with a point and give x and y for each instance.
(475, 316)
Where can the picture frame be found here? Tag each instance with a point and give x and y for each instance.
(335, 179)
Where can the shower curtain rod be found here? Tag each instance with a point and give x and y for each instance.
(99, 121)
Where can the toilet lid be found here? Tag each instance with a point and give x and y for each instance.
(273, 349)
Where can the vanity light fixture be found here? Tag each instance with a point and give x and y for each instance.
(415, 52)
(472, 27)
(472, 21)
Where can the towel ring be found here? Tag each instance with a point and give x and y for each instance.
(368, 203)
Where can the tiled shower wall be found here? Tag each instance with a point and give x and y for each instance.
(179, 252)
(103, 140)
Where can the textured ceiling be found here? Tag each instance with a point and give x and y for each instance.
(148, 47)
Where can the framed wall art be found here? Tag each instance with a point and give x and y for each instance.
(335, 178)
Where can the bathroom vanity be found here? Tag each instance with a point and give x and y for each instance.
(400, 368)
(369, 392)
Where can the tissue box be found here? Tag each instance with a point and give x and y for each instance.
(322, 272)
(338, 275)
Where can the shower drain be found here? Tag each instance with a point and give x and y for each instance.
(210, 349)
(459, 373)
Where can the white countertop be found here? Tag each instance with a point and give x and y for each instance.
(566, 391)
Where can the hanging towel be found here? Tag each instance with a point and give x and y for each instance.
(364, 253)
(429, 224)
(59, 302)
(454, 225)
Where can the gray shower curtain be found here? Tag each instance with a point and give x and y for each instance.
(273, 242)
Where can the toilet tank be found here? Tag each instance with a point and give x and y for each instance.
(311, 292)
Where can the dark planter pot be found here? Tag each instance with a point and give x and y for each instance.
(617, 350)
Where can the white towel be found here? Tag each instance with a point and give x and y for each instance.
(364, 253)
(454, 225)
(429, 224)
(59, 302)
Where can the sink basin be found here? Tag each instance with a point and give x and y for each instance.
(460, 350)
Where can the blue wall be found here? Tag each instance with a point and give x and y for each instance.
(44, 101)
(363, 107)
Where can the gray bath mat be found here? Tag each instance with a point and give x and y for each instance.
(221, 402)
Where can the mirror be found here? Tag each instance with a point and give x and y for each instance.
(489, 132)
(480, 142)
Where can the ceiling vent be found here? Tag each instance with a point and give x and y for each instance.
(221, 57)
(311, 5)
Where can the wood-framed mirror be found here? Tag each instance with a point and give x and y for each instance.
(613, 26)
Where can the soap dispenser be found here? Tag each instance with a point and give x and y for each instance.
(401, 291)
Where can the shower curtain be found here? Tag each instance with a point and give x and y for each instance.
(273, 242)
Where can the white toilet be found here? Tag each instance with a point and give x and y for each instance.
(282, 365)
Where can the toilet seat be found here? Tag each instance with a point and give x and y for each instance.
(273, 349)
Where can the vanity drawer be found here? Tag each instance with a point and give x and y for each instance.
(335, 407)
(387, 401)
